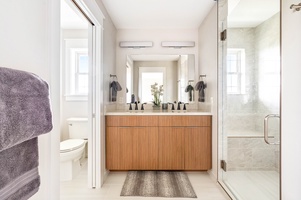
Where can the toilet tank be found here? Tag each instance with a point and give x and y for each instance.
(78, 128)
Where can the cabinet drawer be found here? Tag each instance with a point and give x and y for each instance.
(137, 121)
(184, 120)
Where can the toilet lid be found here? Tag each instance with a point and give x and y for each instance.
(71, 144)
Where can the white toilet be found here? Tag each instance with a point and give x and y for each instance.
(73, 149)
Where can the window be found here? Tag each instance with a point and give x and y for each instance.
(147, 77)
(236, 71)
(76, 69)
(81, 73)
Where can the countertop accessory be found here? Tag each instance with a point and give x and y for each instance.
(164, 106)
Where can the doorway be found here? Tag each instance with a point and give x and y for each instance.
(80, 76)
(249, 98)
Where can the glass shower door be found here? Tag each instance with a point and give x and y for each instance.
(249, 106)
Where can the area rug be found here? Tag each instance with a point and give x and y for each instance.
(157, 184)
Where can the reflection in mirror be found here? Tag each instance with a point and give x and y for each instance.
(174, 72)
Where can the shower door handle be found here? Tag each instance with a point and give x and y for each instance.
(266, 129)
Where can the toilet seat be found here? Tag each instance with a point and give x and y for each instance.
(71, 145)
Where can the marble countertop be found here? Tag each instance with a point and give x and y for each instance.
(158, 112)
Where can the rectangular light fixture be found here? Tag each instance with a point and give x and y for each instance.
(178, 44)
(135, 44)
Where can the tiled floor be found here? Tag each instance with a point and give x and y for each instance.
(204, 186)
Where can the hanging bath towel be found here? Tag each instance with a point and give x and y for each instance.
(189, 89)
(200, 86)
(114, 87)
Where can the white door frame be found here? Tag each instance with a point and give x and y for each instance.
(95, 98)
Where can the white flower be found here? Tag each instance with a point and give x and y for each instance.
(157, 92)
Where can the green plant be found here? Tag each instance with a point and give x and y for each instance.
(157, 92)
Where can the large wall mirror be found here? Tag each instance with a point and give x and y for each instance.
(174, 72)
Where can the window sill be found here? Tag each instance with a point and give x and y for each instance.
(76, 97)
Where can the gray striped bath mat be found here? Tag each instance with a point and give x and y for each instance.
(157, 184)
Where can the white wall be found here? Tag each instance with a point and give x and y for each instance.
(208, 65)
(291, 106)
(109, 57)
(24, 37)
(156, 36)
(109, 50)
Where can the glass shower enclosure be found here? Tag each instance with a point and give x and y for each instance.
(249, 98)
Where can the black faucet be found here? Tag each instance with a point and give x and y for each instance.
(184, 108)
(179, 107)
(136, 105)
(142, 108)
(130, 108)
(173, 106)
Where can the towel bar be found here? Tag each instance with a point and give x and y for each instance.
(296, 7)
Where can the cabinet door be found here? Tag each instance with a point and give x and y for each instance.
(145, 152)
(119, 148)
(198, 148)
(126, 147)
(132, 148)
(171, 148)
(112, 148)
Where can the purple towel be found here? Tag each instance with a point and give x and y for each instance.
(24, 107)
(19, 176)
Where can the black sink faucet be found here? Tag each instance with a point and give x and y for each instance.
(179, 107)
(172, 106)
(136, 105)
(142, 108)
(130, 108)
(184, 108)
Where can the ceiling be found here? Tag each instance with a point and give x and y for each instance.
(158, 14)
(251, 13)
(171, 14)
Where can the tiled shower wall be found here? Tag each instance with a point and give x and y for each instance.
(244, 113)
(251, 153)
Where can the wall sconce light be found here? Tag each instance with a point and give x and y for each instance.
(134, 44)
(178, 44)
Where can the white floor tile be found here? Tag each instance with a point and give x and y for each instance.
(205, 188)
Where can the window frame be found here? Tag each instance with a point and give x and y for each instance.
(73, 47)
(240, 70)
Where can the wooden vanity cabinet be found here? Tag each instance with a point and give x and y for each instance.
(158, 142)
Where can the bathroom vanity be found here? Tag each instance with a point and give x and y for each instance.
(158, 141)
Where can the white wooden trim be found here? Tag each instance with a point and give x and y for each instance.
(95, 98)
(53, 193)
